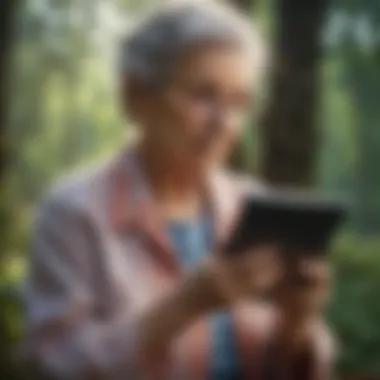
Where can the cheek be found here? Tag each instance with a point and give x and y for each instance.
(193, 117)
(180, 120)
(188, 129)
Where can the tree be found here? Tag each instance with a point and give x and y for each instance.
(7, 17)
(7, 21)
(238, 158)
(362, 68)
(289, 133)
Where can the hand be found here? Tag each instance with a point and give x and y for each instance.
(217, 283)
(305, 285)
(301, 345)
(302, 294)
(221, 281)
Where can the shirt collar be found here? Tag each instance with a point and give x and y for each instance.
(131, 202)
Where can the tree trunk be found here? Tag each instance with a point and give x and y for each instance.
(7, 17)
(238, 160)
(8, 9)
(289, 132)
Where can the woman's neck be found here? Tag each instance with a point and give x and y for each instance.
(177, 189)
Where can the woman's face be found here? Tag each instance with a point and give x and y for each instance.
(197, 118)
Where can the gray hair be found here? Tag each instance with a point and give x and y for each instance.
(155, 45)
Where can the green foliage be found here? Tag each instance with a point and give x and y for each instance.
(64, 113)
(355, 309)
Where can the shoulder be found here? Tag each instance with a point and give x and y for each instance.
(74, 194)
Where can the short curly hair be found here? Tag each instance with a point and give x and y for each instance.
(153, 47)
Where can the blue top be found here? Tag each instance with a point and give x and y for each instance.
(191, 240)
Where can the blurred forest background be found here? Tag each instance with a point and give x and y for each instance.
(320, 127)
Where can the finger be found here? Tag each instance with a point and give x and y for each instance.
(260, 269)
(314, 271)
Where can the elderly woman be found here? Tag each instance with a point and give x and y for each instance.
(125, 276)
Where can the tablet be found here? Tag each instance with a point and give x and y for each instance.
(293, 220)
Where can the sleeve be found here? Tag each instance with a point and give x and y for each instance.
(64, 337)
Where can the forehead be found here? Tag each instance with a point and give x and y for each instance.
(219, 64)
